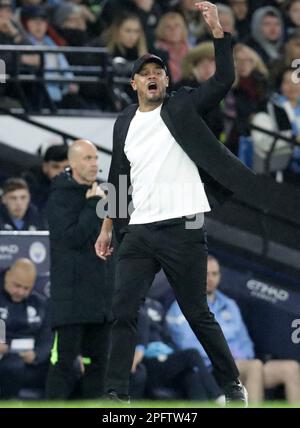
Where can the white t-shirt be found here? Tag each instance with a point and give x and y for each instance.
(166, 182)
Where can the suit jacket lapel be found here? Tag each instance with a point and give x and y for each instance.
(167, 119)
(124, 123)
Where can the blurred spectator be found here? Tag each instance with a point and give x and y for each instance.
(290, 101)
(197, 67)
(170, 373)
(90, 11)
(267, 33)
(39, 178)
(70, 24)
(172, 36)
(65, 95)
(11, 33)
(253, 373)
(126, 38)
(80, 292)
(271, 117)
(240, 9)
(248, 91)
(148, 12)
(194, 21)
(16, 211)
(126, 42)
(292, 10)
(24, 357)
(227, 19)
(291, 52)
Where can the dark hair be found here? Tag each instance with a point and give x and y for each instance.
(56, 153)
(279, 79)
(288, 4)
(272, 13)
(33, 12)
(14, 183)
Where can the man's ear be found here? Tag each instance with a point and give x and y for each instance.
(45, 167)
(167, 81)
(7, 275)
(133, 85)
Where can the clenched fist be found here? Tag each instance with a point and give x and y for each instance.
(210, 14)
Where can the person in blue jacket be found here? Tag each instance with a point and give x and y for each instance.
(16, 210)
(229, 317)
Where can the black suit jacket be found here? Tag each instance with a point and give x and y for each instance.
(221, 172)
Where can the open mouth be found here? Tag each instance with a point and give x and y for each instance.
(152, 86)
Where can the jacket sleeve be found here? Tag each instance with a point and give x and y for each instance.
(65, 222)
(115, 161)
(212, 91)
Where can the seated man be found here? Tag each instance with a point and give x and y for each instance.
(16, 211)
(24, 357)
(253, 373)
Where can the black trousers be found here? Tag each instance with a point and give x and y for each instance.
(138, 382)
(91, 341)
(183, 371)
(15, 375)
(182, 254)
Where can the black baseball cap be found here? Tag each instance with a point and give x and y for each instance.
(34, 12)
(148, 57)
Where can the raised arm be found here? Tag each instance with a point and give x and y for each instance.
(212, 91)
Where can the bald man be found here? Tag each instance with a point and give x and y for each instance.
(24, 357)
(80, 295)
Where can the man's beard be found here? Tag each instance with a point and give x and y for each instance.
(155, 100)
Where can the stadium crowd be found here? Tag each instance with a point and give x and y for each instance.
(267, 43)
(168, 362)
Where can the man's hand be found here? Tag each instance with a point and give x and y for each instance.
(102, 246)
(95, 190)
(210, 14)
(28, 356)
(3, 349)
(32, 60)
(138, 358)
(8, 28)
